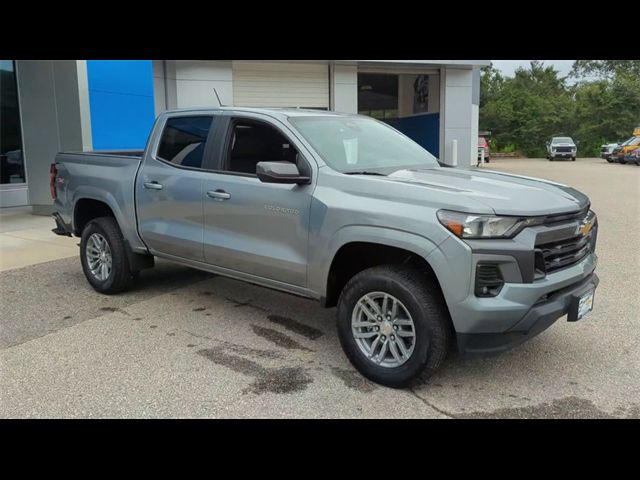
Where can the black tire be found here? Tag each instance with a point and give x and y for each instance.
(551, 159)
(121, 276)
(487, 160)
(424, 302)
(573, 159)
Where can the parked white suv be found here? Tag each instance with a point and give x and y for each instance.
(561, 147)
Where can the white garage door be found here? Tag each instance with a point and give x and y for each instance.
(266, 84)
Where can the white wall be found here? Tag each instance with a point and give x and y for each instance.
(191, 83)
(344, 88)
(457, 119)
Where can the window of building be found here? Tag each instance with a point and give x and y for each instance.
(11, 156)
(252, 142)
(378, 95)
(183, 140)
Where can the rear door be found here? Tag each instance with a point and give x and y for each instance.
(252, 227)
(169, 188)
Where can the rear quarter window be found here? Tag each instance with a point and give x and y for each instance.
(183, 140)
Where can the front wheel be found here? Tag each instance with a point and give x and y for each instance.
(573, 159)
(104, 256)
(393, 324)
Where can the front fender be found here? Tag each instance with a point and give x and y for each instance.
(364, 233)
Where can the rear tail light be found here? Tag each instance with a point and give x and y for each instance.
(489, 280)
(53, 171)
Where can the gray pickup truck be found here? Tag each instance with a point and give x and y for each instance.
(344, 209)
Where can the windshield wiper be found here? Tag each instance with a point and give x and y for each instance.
(364, 172)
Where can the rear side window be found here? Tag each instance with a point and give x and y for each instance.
(183, 140)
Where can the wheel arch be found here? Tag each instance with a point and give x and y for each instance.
(356, 248)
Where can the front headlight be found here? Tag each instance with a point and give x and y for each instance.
(470, 226)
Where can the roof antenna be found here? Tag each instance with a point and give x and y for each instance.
(218, 97)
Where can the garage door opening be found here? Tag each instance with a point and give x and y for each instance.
(408, 102)
(274, 84)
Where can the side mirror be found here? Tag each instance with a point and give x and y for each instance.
(280, 172)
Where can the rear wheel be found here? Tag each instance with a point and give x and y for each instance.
(393, 324)
(104, 256)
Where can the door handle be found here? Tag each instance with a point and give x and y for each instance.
(152, 185)
(219, 195)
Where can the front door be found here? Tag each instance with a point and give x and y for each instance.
(169, 189)
(254, 227)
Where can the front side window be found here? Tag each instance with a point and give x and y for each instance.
(183, 140)
(252, 142)
(355, 144)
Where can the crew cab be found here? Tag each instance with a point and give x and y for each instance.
(345, 210)
(561, 147)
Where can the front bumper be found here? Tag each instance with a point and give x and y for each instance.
(541, 316)
(563, 154)
(531, 297)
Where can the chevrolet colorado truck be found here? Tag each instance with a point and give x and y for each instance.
(418, 257)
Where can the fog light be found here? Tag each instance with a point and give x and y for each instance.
(489, 280)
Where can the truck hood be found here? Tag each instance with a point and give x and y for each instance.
(504, 193)
(555, 145)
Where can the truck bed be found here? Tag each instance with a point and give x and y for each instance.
(107, 176)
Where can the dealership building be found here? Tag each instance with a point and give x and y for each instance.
(57, 105)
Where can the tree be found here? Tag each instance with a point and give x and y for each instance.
(527, 109)
(605, 68)
(523, 112)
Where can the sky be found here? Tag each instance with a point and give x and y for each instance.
(508, 67)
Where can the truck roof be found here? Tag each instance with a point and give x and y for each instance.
(285, 112)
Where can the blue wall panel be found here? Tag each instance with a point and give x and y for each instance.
(423, 129)
(121, 103)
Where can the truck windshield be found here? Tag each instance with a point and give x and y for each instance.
(562, 140)
(361, 144)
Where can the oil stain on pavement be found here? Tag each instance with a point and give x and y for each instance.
(266, 380)
(280, 339)
(246, 303)
(568, 407)
(296, 327)
(353, 380)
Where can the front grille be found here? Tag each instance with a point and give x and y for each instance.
(566, 252)
(563, 149)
